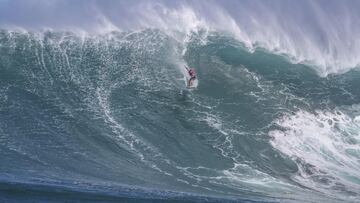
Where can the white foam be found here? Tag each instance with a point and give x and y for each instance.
(242, 176)
(324, 35)
(325, 146)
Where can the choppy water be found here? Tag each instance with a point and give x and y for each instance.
(108, 117)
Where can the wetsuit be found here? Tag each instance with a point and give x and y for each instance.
(192, 76)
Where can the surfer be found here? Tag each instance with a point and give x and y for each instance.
(192, 74)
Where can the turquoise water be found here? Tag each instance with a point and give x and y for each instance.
(108, 118)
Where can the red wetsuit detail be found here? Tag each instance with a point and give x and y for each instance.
(192, 73)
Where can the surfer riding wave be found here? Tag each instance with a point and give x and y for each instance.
(192, 75)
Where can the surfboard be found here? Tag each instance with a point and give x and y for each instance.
(193, 83)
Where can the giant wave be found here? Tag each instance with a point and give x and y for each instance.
(106, 116)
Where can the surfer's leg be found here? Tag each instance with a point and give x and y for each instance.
(191, 80)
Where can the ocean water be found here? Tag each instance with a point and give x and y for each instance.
(107, 117)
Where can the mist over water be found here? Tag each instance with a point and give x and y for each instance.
(319, 33)
(94, 104)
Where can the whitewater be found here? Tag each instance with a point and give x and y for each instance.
(94, 105)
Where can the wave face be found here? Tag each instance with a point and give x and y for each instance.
(94, 107)
(110, 115)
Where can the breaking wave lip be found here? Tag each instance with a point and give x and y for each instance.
(324, 145)
(316, 61)
(313, 33)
